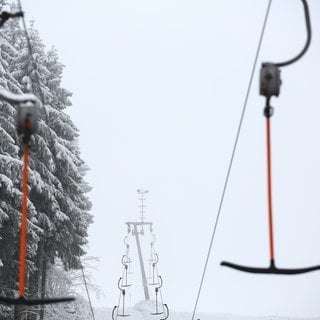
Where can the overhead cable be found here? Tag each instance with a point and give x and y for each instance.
(232, 157)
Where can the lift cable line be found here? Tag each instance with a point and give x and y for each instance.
(232, 156)
(270, 83)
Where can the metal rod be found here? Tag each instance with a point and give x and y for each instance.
(269, 178)
(143, 273)
(24, 221)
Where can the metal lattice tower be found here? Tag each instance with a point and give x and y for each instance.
(137, 230)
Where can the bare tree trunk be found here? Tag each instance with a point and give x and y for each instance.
(20, 313)
(43, 285)
(34, 284)
(16, 313)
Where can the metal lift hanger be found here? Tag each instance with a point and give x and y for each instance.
(123, 294)
(28, 106)
(127, 260)
(154, 264)
(125, 263)
(270, 86)
(27, 122)
(157, 311)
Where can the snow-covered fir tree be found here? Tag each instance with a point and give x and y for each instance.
(58, 207)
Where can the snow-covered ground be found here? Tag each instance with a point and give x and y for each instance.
(143, 310)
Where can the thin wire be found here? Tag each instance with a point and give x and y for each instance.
(88, 294)
(232, 156)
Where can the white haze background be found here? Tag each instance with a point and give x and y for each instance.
(158, 90)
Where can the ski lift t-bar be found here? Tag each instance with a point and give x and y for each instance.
(270, 86)
(27, 123)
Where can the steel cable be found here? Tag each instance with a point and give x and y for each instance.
(232, 156)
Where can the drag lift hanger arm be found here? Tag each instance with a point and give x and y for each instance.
(305, 48)
(270, 86)
(123, 294)
(157, 311)
(155, 262)
(270, 81)
(113, 312)
(119, 284)
(160, 283)
(125, 263)
(166, 308)
(157, 259)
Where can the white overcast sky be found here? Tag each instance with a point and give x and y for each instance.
(158, 90)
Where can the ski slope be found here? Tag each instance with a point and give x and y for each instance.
(143, 309)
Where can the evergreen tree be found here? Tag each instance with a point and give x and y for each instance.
(58, 208)
(10, 177)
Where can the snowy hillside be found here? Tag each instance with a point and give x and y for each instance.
(142, 311)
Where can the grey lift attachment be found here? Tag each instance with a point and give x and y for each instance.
(28, 106)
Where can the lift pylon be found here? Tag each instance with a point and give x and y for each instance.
(137, 230)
